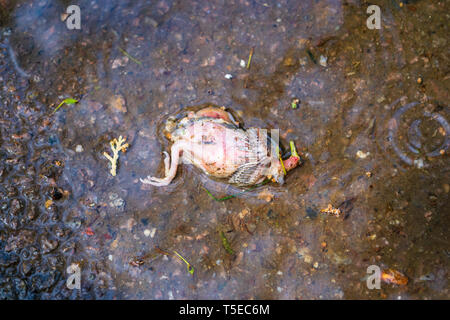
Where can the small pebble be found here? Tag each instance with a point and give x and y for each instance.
(110, 257)
(228, 76)
(113, 196)
(362, 155)
(427, 277)
(147, 232)
(117, 203)
(242, 63)
(418, 163)
(307, 258)
(349, 134)
(79, 148)
(323, 61)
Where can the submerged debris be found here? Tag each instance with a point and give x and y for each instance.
(79, 148)
(130, 57)
(265, 195)
(219, 199)
(190, 268)
(331, 210)
(394, 277)
(117, 102)
(116, 146)
(48, 203)
(362, 155)
(67, 101)
(140, 260)
(250, 58)
(311, 56)
(237, 220)
(119, 62)
(225, 243)
(346, 207)
(236, 194)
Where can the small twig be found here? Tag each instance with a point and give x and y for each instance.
(234, 195)
(129, 56)
(218, 199)
(250, 57)
(116, 147)
(331, 210)
(311, 56)
(190, 268)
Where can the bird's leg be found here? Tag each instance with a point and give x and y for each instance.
(171, 171)
(166, 163)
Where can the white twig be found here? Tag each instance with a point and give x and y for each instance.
(116, 147)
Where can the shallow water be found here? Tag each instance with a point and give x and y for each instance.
(375, 139)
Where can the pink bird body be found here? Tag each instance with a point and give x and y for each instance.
(212, 140)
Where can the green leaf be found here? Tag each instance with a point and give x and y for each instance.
(67, 101)
(190, 268)
(70, 101)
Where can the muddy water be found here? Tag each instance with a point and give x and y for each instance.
(372, 124)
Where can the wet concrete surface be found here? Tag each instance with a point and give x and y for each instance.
(372, 125)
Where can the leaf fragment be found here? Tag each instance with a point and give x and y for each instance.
(225, 243)
(67, 101)
(190, 268)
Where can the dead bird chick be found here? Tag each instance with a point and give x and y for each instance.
(212, 140)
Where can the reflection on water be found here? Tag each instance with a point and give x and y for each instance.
(133, 64)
